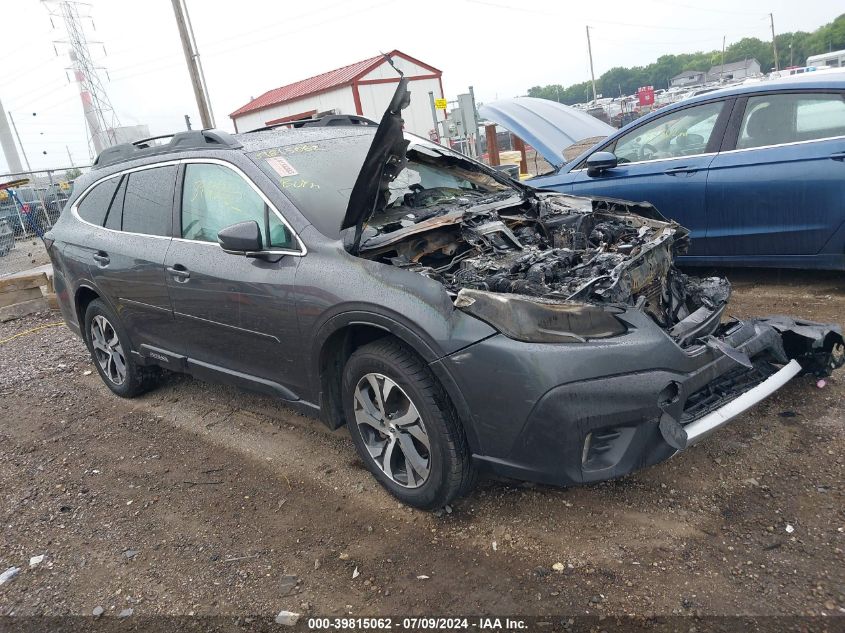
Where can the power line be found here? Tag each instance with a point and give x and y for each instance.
(217, 53)
(707, 9)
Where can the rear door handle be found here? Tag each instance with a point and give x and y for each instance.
(838, 156)
(101, 258)
(179, 271)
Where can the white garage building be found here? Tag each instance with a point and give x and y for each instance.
(362, 88)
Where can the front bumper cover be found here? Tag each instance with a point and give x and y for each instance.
(568, 414)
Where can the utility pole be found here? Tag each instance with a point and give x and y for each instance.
(187, 122)
(592, 74)
(23, 151)
(434, 113)
(192, 58)
(69, 157)
(8, 144)
(722, 69)
(774, 44)
(475, 119)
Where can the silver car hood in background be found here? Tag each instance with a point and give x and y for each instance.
(548, 126)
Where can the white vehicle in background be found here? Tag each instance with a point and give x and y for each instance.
(834, 59)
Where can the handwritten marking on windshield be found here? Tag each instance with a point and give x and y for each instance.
(301, 183)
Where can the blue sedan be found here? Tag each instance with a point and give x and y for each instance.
(756, 172)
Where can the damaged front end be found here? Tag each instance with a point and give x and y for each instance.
(544, 267)
(551, 268)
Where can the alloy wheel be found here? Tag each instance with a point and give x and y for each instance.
(108, 352)
(392, 429)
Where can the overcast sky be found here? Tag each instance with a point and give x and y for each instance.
(500, 47)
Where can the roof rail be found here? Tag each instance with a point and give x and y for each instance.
(320, 121)
(179, 142)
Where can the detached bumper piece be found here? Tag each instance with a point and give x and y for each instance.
(801, 346)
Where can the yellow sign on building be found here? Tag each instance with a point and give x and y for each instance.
(441, 104)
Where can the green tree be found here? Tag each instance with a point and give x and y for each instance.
(829, 37)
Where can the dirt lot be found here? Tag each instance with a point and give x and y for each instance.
(199, 499)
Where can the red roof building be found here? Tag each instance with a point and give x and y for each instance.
(362, 88)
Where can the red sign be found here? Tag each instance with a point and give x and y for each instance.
(645, 95)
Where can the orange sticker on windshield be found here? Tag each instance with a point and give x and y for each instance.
(281, 166)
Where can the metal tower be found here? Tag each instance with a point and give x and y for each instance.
(99, 113)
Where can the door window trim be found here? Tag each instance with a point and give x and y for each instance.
(812, 140)
(301, 252)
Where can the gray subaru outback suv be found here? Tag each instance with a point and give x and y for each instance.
(453, 319)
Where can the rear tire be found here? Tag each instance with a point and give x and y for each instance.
(404, 426)
(110, 350)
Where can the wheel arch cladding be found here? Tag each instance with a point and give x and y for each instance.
(333, 355)
(83, 298)
(335, 346)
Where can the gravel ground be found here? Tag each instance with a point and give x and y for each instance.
(199, 499)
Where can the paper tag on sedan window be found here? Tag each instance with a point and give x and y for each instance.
(281, 166)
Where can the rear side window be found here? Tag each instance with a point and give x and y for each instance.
(148, 202)
(789, 118)
(96, 203)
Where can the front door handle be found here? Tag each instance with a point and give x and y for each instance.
(838, 156)
(102, 258)
(677, 171)
(179, 271)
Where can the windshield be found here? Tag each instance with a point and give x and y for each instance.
(427, 182)
(318, 177)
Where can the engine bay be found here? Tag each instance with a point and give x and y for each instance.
(552, 247)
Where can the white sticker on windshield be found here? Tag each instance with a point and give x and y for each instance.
(281, 166)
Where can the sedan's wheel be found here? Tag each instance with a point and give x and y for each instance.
(109, 347)
(108, 352)
(392, 430)
(404, 426)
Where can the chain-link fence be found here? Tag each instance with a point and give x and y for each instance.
(30, 203)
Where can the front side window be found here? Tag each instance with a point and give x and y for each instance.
(681, 133)
(789, 118)
(148, 202)
(96, 202)
(214, 197)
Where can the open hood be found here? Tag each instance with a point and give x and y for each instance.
(384, 162)
(548, 126)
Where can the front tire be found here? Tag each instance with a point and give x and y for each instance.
(110, 351)
(404, 426)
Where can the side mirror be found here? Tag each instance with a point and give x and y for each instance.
(601, 161)
(243, 238)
